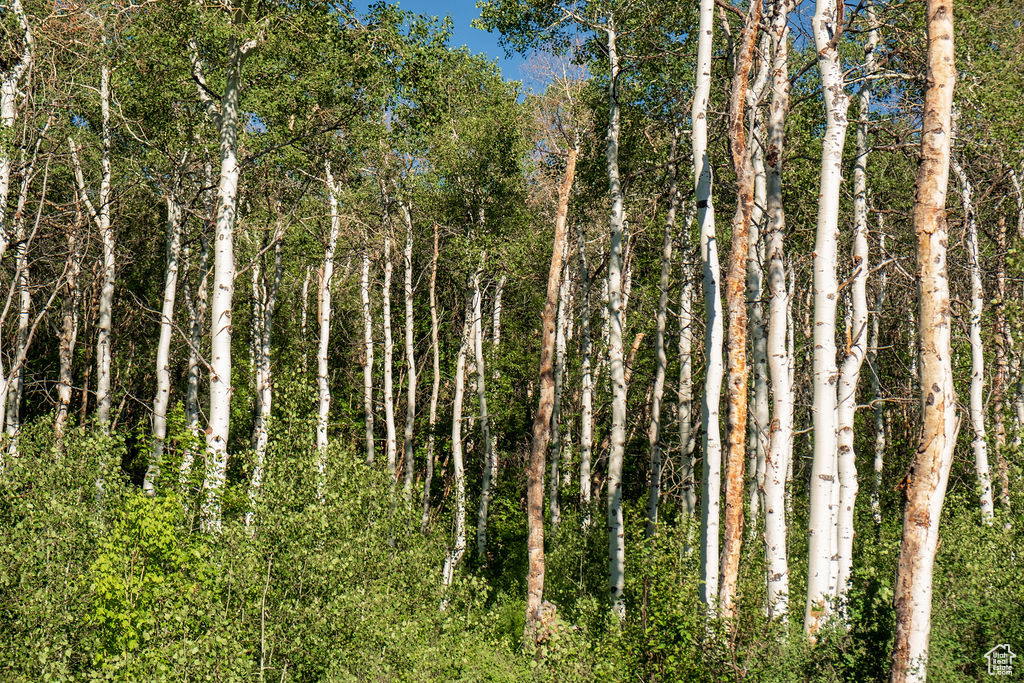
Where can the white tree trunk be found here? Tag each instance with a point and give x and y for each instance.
(304, 315)
(197, 314)
(163, 350)
(458, 549)
(499, 291)
(323, 316)
(586, 383)
(616, 533)
(779, 362)
(364, 293)
(849, 376)
(758, 427)
(389, 353)
(223, 296)
(661, 358)
(106, 306)
(10, 81)
(685, 405)
(714, 330)
(69, 330)
(561, 321)
(490, 456)
(878, 399)
(410, 358)
(977, 393)
(820, 586)
(435, 386)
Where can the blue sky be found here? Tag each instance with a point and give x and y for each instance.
(462, 13)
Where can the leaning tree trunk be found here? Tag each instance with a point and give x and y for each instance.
(163, 349)
(826, 23)
(661, 358)
(435, 386)
(977, 393)
(929, 472)
(545, 406)
(714, 331)
(781, 431)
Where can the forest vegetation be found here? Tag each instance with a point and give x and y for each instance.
(329, 353)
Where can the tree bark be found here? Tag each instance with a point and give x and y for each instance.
(826, 23)
(977, 392)
(545, 406)
(661, 358)
(586, 383)
(929, 472)
(435, 386)
(736, 303)
(554, 479)
(364, 293)
(408, 453)
(163, 350)
(324, 321)
(490, 456)
(714, 331)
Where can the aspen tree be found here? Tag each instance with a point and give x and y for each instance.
(364, 295)
(223, 112)
(684, 407)
(661, 358)
(979, 444)
(826, 24)
(10, 83)
(738, 370)
(554, 505)
(163, 352)
(545, 406)
(410, 357)
(391, 443)
(197, 315)
(929, 472)
(586, 381)
(714, 331)
(878, 464)
(68, 335)
(856, 348)
(779, 359)
(490, 456)
(324, 323)
(435, 385)
(616, 306)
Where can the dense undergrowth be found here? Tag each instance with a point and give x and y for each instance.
(123, 587)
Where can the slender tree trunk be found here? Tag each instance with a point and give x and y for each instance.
(490, 456)
(435, 386)
(545, 406)
(223, 295)
(391, 445)
(408, 453)
(304, 316)
(779, 361)
(876, 386)
(736, 303)
(586, 383)
(197, 314)
(714, 331)
(69, 329)
(10, 82)
(324, 321)
(364, 293)
(556, 411)
(616, 534)
(757, 423)
(106, 308)
(454, 556)
(661, 358)
(261, 435)
(163, 349)
(685, 405)
(827, 21)
(929, 472)
(1001, 375)
(977, 393)
(849, 375)
(15, 384)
